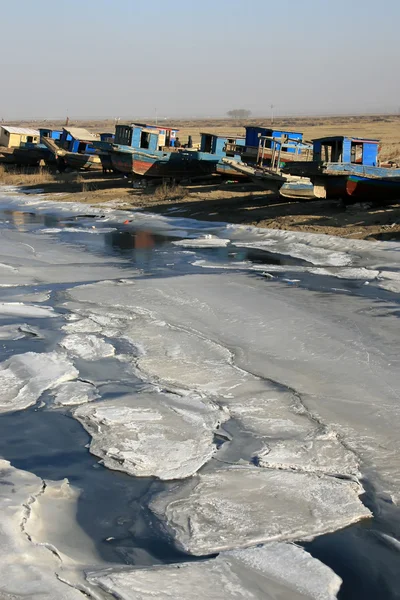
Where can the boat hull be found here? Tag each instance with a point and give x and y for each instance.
(82, 161)
(366, 188)
(174, 165)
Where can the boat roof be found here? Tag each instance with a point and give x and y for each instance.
(79, 133)
(159, 127)
(337, 138)
(20, 130)
(228, 135)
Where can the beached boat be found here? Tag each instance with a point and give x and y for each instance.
(288, 186)
(75, 149)
(150, 151)
(348, 168)
(263, 146)
(217, 145)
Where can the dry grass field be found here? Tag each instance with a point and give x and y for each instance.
(383, 127)
(235, 202)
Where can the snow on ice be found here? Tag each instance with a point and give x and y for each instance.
(243, 506)
(24, 377)
(74, 392)
(88, 347)
(272, 571)
(28, 570)
(150, 434)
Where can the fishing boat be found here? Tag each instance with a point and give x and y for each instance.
(262, 145)
(75, 149)
(30, 154)
(348, 168)
(217, 145)
(286, 185)
(151, 151)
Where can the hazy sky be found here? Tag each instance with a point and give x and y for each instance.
(198, 58)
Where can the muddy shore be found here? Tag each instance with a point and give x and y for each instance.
(233, 202)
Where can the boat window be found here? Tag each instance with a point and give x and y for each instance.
(356, 153)
(207, 143)
(123, 135)
(144, 139)
(29, 139)
(81, 147)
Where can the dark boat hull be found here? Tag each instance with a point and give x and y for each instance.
(174, 165)
(366, 188)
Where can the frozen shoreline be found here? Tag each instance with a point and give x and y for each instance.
(284, 365)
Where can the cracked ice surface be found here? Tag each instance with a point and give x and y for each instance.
(243, 506)
(24, 377)
(275, 570)
(152, 434)
(74, 392)
(27, 570)
(338, 353)
(88, 347)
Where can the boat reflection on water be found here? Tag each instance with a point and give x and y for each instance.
(23, 221)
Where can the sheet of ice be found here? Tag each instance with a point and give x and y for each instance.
(207, 241)
(91, 229)
(86, 325)
(237, 507)
(38, 259)
(28, 570)
(75, 392)
(88, 347)
(264, 411)
(319, 451)
(24, 377)
(337, 353)
(150, 434)
(18, 332)
(308, 252)
(20, 309)
(273, 571)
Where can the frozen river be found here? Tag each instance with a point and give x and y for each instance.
(195, 410)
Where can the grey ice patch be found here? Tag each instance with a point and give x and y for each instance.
(271, 571)
(24, 377)
(237, 507)
(150, 434)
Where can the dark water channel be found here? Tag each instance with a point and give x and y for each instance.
(52, 445)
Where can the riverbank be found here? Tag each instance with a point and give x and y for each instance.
(218, 200)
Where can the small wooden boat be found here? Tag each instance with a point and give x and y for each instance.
(286, 185)
(348, 169)
(74, 149)
(174, 164)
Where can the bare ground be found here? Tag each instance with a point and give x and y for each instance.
(240, 203)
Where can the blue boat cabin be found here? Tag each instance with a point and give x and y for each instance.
(77, 139)
(216, 144)
(145, 137)
(341, 149)
(107, 137)
(253, 135)
(54, 134)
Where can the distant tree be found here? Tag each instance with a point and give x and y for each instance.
(239, 113)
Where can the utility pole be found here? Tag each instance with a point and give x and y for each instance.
(155, 110)
(272, 114)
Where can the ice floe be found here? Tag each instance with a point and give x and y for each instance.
(24, 377)
(28, 570)
(75, 392)
(88, 347)
(150, 434)
(20, 309)
(18, 332)
(276, 570)
(237, 507)
(207, 241)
